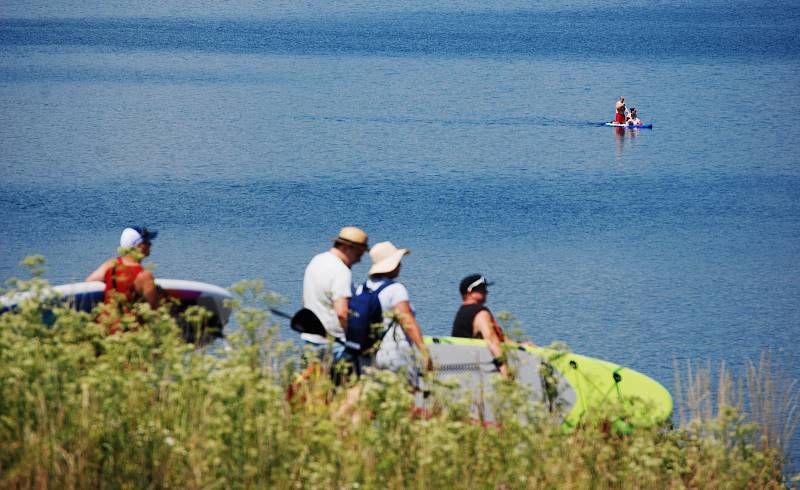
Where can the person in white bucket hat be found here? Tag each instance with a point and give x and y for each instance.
(397, 350)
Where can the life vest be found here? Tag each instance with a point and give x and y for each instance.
(119, 294)
(120, 280)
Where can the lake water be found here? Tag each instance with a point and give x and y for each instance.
(248, 134)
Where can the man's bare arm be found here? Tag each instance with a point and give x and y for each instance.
(484, 324)
(340, 306)
(146, 284)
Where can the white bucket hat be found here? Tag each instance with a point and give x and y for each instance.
(385, 257)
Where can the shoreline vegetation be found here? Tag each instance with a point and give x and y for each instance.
(142, 409)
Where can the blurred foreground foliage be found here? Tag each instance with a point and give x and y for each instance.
(142, 409)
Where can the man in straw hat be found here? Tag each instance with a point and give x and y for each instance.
(328, 282)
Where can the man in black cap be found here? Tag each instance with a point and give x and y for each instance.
(474, 320)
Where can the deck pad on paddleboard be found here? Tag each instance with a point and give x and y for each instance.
(585, 386)
(470, 369)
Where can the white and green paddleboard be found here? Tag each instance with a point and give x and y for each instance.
(577, 387)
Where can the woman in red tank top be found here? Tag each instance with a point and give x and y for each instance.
(120, 282)
(125, 279)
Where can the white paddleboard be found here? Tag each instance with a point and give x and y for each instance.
(84, 296)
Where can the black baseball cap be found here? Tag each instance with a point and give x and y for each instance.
(471, 282)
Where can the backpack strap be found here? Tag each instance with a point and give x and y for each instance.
(364, 287)
(383, 286)
(114, 274)
(377, 291)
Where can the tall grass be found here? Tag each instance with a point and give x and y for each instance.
(761, 395)
(141, 409)
(774, 401)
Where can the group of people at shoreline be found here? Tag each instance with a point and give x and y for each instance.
(327, 293)
(327, 289)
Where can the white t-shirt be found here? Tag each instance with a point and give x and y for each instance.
(389, 297)
(326, 279)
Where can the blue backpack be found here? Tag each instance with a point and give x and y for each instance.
(364, 311)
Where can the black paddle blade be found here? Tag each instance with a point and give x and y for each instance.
(305, 321)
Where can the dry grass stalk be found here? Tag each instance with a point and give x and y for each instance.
(774, 402)
(768, 398)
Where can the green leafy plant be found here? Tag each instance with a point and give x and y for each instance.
(143, 409)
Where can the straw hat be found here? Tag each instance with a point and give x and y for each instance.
(350, 235)
(385, 257)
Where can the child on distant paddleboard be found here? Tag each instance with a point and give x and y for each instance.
(633, 118)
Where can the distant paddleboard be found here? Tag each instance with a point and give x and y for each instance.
(575, 386)
(84, 296)
(629, 126)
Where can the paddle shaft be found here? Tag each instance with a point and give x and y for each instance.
(280, 313)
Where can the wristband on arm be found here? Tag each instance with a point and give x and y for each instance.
(499, 361)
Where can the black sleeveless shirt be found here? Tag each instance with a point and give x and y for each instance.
(462, 324)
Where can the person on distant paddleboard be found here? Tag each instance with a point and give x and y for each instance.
(620, 109)
(633, 118)
(474, 320)
(126, 280)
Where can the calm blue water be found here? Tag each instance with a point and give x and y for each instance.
(248, 135)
